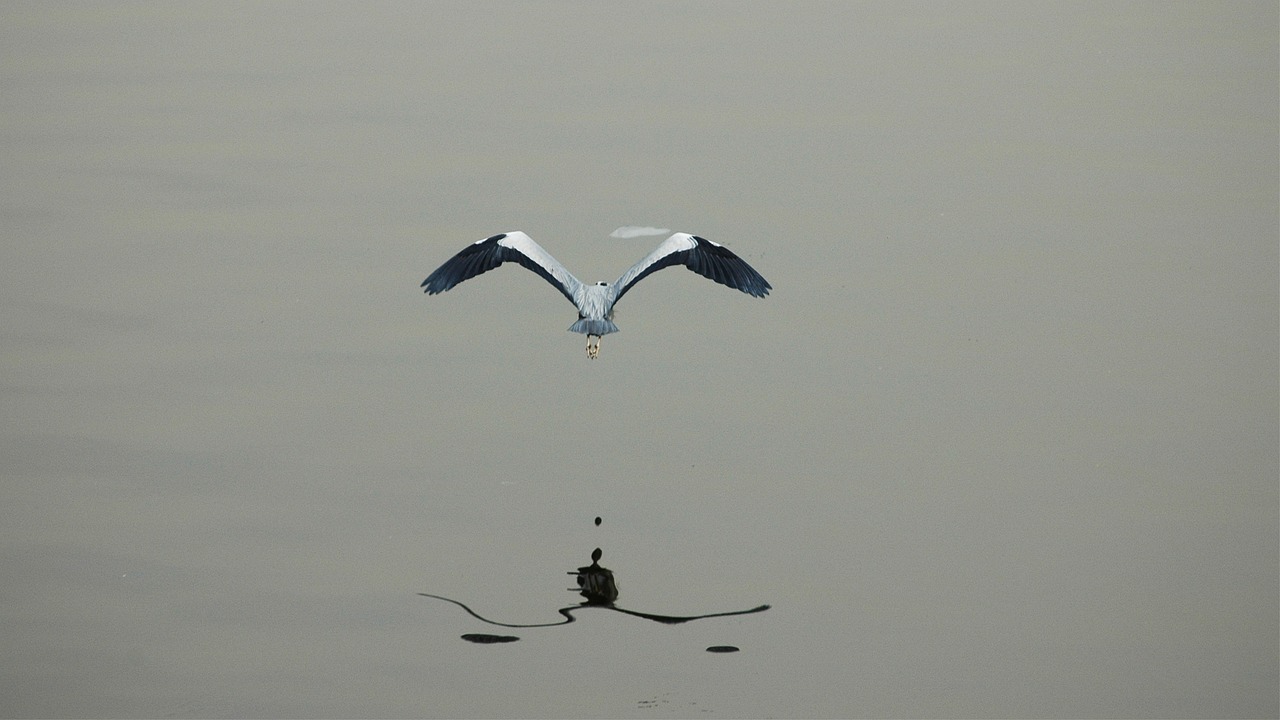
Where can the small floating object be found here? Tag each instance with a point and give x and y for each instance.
(487, 639)
(631, 231)
(598, 521)
(722, 649)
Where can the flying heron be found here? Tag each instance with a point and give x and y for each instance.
(595, 302)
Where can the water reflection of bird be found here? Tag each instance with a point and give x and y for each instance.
(597, 585)
(595, 302)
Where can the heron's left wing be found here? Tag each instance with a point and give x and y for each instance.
(487, 254)
(708, 259)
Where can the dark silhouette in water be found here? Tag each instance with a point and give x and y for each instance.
(486, 639)
(596, 584)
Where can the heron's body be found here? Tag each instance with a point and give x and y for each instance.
(595, 309)
(595, 302)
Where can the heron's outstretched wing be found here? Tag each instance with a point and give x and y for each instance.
(702, 256)
(491, 252)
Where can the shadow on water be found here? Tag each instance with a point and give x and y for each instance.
(597, 585)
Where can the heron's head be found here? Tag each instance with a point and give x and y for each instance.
(602, 283)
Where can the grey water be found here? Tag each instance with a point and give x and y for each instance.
(1003, 440)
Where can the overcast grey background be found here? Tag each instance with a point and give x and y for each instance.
(1002, 442)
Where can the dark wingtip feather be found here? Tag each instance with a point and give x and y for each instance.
(472, 260)
(726, 268)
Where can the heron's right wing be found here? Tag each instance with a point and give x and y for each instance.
(710, 260)
(487, 254)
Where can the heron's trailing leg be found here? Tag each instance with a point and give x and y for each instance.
(593, 349)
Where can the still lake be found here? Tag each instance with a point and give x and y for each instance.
(1002, 441)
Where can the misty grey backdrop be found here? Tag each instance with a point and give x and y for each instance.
(1002, 442)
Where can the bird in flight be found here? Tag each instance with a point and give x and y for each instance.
(595, 302)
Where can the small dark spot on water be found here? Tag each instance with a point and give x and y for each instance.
(487, 639)
(651, 704)
(598, 521)
(722, 649)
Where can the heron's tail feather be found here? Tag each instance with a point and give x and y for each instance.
(593, 327)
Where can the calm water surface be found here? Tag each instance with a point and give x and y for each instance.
(1002, 442)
